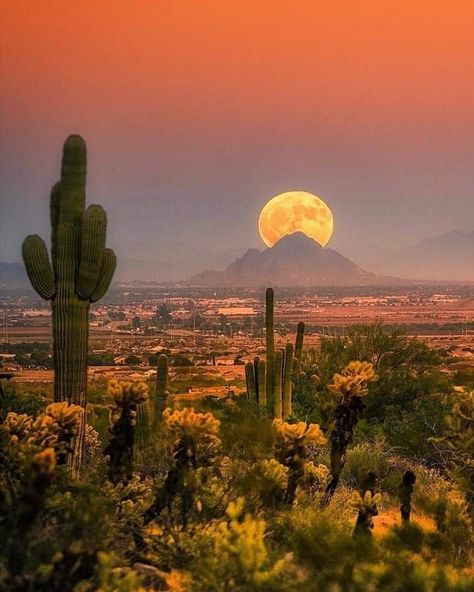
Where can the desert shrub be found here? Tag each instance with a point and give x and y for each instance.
(363, 459)
(241, 559)
(19, 400)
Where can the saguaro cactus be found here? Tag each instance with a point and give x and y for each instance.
(255, 376)
(278, 392)
(299, 347)
(287, 384)
(270, 342)
(81, 272)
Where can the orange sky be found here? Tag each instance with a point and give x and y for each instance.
(254, 61)
(205, 90)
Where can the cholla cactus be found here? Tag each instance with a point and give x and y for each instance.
(67, 420)
(316, 476)
(44, 463)
(55, 428)
(123, 410)
(352, 385)
(29, 451)
(131, 498)
(353, 380)
(195, 434)
(367, 507)
(292, 442)
(195, 445)
(270, 479)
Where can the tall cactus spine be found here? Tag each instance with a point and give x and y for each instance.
(299, 346)
(270, 342)
(255, 378)
(250, 381)
(262, 383)
(278, 392)
(79, 273)
(287, 385)
(161, 393)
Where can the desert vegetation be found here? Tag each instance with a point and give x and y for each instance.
(344, 468)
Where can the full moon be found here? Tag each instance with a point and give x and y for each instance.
(295, 211)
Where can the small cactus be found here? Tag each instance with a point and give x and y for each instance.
(291, 449)
(405, 492)
(366, 505)
(351, 385)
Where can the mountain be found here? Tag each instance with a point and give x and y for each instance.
(295, 260)
(446, 257)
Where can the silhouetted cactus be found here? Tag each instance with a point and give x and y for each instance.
(287, 384)
(270, 342)
(405, 492)
(278, 391)
(80, 273)
(299, 347)
(255, 376)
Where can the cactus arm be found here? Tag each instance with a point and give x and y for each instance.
(278, 411)
(109, 263)
(299, 346)
(287, 380)
(262, 393)
(94, 224)
(38, 267)
(54, 205)
(250, 381)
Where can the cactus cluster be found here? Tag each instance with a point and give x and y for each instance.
(79, 273)
(126, 397)
(270, 382)
(149, 413)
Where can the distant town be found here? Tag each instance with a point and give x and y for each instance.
(210, 333)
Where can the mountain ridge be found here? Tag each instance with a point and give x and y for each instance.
(295, 260)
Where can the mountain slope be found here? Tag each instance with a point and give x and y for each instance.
(295, 260)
